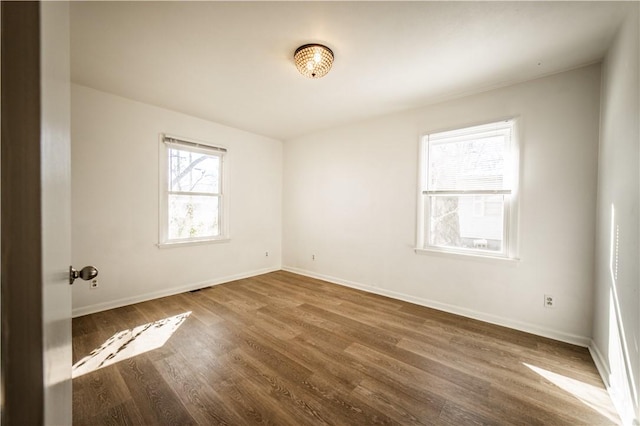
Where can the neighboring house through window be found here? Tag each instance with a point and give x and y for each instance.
(469, 190)
(192, 207)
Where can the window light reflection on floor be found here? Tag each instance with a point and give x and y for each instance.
(592, 396)
(129, 343)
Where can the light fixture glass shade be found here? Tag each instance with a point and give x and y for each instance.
(313, 60)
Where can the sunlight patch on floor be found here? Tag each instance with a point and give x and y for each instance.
(129, 343)
(591, 396)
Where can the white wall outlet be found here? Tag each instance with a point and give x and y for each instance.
(93, 284)
(549, 301)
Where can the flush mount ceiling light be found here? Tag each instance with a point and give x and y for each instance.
(313, 60)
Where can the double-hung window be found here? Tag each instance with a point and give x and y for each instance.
(192, 196)
(468, 190)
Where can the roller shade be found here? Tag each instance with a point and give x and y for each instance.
(182, 143)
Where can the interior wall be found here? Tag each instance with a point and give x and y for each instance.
(350, 203)
(616, 330)
(115, 148)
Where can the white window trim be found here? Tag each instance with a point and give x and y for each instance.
(165, 140)
(510, 250)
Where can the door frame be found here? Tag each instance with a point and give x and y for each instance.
(21, 280)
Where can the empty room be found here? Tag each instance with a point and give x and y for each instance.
(301, 213)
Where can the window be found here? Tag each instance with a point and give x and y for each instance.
(468, 190)
(192, 207)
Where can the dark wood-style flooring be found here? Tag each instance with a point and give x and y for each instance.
(285, 349)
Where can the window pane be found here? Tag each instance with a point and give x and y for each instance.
(468, 164)
(193, 216)
(458, 222)
(193, 171)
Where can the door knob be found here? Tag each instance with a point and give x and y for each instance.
(87, 273)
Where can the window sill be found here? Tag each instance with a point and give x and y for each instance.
(469, 256)
(193, 243)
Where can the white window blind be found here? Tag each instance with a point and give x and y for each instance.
(469, 160)
(177, 143)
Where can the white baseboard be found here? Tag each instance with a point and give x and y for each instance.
(626, 414)
(469, 313)
(600, 363)
(98, 307)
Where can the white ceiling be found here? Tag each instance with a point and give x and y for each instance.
(232, 62)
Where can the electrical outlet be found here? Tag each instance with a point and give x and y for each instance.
(266, 254)
(94, 284)
(313, 257)
(549, 301)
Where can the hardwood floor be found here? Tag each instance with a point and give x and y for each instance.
(290, 350)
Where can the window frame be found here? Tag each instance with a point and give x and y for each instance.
(168, 141)
(511, 196)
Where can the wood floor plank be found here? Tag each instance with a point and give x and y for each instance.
(98, 392)
(454, 415)
(200, 399)
(398, 405)
(307, 323)
(154, 399)
(124, 414)
(84, 325)
(324, 389)
(380, 315)
(402, 371)
(357, 330)
(291, 403)
(307, 355)
(285, 349)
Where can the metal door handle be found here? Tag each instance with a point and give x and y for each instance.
(87, 273)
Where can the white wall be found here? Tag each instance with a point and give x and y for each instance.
(616, 331)
(350, 199)
(115, 150)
